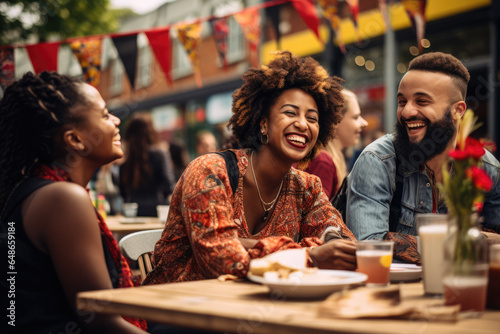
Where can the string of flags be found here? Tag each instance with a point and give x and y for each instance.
(88, 50)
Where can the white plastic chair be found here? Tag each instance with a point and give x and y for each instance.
(138, 246)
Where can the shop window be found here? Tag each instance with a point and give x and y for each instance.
(144, 69)
(117, 73)
(235, 42)
(181, 66)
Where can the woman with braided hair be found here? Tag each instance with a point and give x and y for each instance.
(282, 114)
(55, 132)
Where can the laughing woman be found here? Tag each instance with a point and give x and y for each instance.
(282, 114)
(55, 132)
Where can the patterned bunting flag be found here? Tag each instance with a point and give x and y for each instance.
(220, 32)
(331, 13)
(7, 67)
(126, 45)
(43, 56)
(416, 12)
(249, 20)
(190, 37)
(88, 54)
(162, 48)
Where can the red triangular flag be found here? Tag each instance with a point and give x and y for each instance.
(7, 67)
(160, 43)
(43, 56)
(308, 13)
(88, 54)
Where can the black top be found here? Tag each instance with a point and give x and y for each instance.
(31, 288)
(154, 191)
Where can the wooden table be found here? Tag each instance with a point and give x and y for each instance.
(245, 307)
(123, 225)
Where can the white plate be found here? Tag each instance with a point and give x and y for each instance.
(324, 283)
(405, 272)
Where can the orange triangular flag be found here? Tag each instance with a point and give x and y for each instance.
(190, 36)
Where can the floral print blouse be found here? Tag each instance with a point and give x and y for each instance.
(200, 239)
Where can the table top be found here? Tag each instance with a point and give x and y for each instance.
(242, 306)
(123, 225)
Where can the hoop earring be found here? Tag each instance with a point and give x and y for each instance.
(264, 138)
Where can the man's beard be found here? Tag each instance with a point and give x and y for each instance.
(437, 137)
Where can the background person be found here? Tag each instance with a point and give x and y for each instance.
(330, 164)
(55, 132)
(144, 173)
(205, 142)
(282, 114)
(431, 99)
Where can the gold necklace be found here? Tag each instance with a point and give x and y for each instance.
(270, 205)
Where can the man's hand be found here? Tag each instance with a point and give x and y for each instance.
(337, 254)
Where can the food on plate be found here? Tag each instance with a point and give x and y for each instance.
(283, 262)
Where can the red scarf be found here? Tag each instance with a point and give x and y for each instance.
(57, 174)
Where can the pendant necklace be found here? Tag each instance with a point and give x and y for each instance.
(266, 206)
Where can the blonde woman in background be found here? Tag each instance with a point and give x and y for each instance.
(330, 164)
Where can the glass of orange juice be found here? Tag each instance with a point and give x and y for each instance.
(374, 258)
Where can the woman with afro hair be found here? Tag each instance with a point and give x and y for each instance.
(283, 113)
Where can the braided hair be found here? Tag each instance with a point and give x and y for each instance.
(262, 87)
(33, 111)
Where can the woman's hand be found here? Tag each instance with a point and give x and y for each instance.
(337, 254)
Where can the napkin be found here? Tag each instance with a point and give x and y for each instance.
(383, 302)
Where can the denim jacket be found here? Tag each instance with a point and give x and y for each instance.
(371, 185)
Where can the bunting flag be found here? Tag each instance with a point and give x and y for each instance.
(88, 54)
(126, 45)
(220, 31)
(354, 9)
(416, 12)
(249, 20)
(43, 56)
(273, 13)
(7, 67)
(190, 36)
(331, 13)
(160, 43)
(307, 11)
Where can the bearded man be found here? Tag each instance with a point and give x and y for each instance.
(431, 100)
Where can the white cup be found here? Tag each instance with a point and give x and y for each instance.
(432, 230)
(130, 209)
(162, 211)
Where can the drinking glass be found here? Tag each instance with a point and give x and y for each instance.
(432, 230)
(374, 258)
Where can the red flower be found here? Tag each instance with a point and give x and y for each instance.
(474, 148)
(478, 206)
(458, 154)
(481, 180)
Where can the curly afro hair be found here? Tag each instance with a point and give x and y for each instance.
(262, 87)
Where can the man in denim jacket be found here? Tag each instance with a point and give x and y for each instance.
(430, 102)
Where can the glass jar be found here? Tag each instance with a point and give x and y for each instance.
(466, 265)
